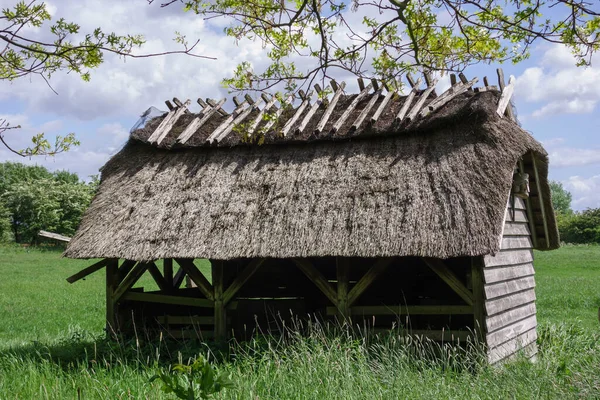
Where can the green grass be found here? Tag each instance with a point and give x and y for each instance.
(52, 346)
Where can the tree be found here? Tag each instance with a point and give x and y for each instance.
(23, 56)
(581, 227)
(396, 36)
(32, 199)
(561, 198)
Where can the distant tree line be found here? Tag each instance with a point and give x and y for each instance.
(33, 199)
(574, 227)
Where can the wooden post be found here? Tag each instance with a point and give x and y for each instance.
(479, 327)
(220, 317)
(168, 271)
(342, 287)
(111, 285)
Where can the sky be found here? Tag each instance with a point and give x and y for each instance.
(555, 101)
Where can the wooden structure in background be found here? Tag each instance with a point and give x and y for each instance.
(454, 266)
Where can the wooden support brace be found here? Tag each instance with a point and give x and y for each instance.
(366, 110)
(125, 268)
(238, 120)
(338, 93)
(452, 79)
(259, 117)
(343, 283)
(361, 84)
(130, 280)
(477, 280)
(199, 121)
(507, 93)
(167, 299)
(297, 114)
(350, 109)
(447, 96)
(220, 312)
(89, 270)
(408, 101)
(373, 273)
(412, 82)
(509, 111)
(178, 278)
(375, 84)
(422, 98)
(168, 272)
(241, 280)
(111, 299)
(530, 219)
(198, 277)
(213, 104)
(383, 104)
(450, 278)
(170, 106)
(541, 199)
(157, 276)
(317, 278)
(165, 126)
(278, 113)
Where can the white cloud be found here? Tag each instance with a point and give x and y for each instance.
(553, 142)
(569, 157)
(560, 86)
(585, 191)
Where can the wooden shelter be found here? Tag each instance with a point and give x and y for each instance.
(418, 210)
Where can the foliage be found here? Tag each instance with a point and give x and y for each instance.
(561, 198)
(197, 380)
(64, 47)
(581, 227)
(36, 199)
(396, 36)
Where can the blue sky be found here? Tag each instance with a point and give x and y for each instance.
(555, 101)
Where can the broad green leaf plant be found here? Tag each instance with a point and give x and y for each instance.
(395, 36)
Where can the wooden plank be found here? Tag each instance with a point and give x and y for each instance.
(167, 299)
(309, 116)
(519, 203)
(330, 107)
(509, 257)
(408, 101)
(450, 278)
(241, 279)
(507, 287)
(381, 107)
(220, 313)
(509, 110)
(343, 284)
(238, 120)
(292, 121)
(162, 124)
(514, 346)
(261, 114)
(501, 304)
(198, 277)
(55, 236)
(130, 279)
(368, 311)
(501, 320)
(511, 331)
(350, 109)
(412, 114)
(213, 104)
(317, 278)
(157, 276)
(162, 134)
(89, 270)
(517, 216)
(502, 273)
(185, 320)
(368, 278)
(363, 114)
(190, 334)
(178, 278)
(199, 121)
(111, 300)
(125, 268)
(477, 283)
(275, 118)
(227, 122)
(541, 199)
(441, 336)
(516, 229)
(450, 94)
(505, 97)
(511, 242)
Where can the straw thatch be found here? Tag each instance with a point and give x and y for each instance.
(437, 187)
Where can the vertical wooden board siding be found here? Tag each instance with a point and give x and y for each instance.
(501, 320)
(513, 346)
(501, 304)
(519, 203)
(511, 331)
(502, 273)
(507, 287)
(519, 216)
(510, 257)
(516, 229)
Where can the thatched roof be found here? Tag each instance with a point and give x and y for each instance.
(435, 186)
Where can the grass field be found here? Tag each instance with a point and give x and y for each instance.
(52, 346)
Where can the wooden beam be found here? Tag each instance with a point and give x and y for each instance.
(238, 120)
(343, 283)
(220, 313)
(187, 264)
(275, 118)
(89, 270)
(167, 299)
(317, 278)
(199, 121)
(422, 98)
(130, 279)
(241, 279)
(541, 199)
(157, 276)
(125, 268)
(178, 278)
(111, 301)
(505, 97)
(408, 101)
(213, 104)
(477, 266)
(529, 208)
(368, 278)
(259, 117)
(168, 271)
(447, 96)
(226, 123)
(338, 93)
(297, 114)
(442, 270)
(166, 125)
(509, 111)
(383, 104)
(365, 111)
(368, 311)
(350, 109)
